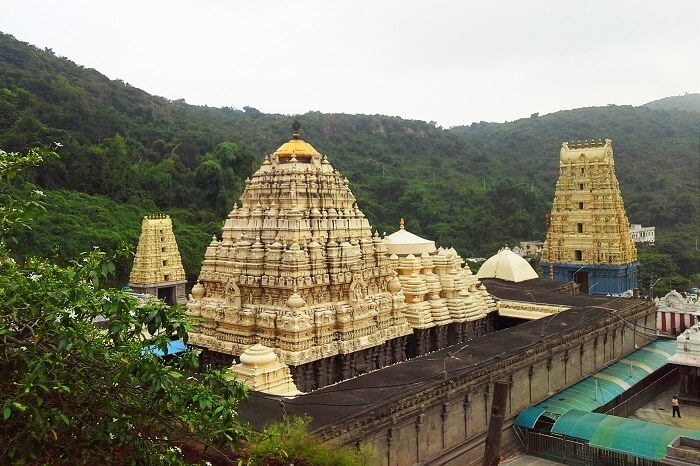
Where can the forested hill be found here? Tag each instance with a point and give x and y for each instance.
(687, 102)
(126, 153)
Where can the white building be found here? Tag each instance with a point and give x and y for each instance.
(642, 234)
(530, 248)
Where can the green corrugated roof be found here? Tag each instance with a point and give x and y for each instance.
(638, 438)
(529, 416)
(595, 391)
(571, 409)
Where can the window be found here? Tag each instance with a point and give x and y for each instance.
(580, 205)
(578, 254)
(166, 278)
(162, 249)
(580, 186)
(165, 263)
(579, 227)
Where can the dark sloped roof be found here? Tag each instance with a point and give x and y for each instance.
(539, 290)
(371, 391)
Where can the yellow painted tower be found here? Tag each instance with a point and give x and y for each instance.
(588, 236)
(157, 268)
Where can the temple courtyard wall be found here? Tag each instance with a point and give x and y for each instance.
(435, 409)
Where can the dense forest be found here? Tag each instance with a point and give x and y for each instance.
(126, 154)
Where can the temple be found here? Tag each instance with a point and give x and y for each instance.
(588, 236)
(445, 303)
(157, 268)
(298, 270)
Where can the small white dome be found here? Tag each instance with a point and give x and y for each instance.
(404, 242)
(508, 266)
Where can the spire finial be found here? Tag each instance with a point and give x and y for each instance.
(295, 126)
(401, 223)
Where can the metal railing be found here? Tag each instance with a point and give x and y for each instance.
(629, 406)
(574, 452)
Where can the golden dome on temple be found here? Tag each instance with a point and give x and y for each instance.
(296, 146)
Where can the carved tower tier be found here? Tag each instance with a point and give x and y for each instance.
(298, 270)
(444, 301)
(588, 237)
(157, 268)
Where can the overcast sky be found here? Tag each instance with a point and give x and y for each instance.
(453, 62)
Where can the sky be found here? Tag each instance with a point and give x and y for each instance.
(450, 62)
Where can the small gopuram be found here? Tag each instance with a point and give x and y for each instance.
(298, 270)
(445, 303)
(588, 236)
(157, 268)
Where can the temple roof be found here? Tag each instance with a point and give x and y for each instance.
(508, 266)
(296, 146)
(404, 242)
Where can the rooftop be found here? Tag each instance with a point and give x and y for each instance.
(374, 390)
(540, 290)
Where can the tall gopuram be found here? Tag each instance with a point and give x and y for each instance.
(298, 270)
(588, 236)
(157, 268)
(445, 303)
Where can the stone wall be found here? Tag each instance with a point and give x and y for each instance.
(446, 422)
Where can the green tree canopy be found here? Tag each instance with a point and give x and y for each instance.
(72, 392)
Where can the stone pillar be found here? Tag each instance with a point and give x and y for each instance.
(467, 414)
(391, 449)
(419, 426)
(443, 417)
(498, 412)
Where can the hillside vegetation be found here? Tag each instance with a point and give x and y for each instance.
(126, 154)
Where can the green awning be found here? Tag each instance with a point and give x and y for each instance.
(638, 438)
(529, 417)
(595, 391)
(571, 409)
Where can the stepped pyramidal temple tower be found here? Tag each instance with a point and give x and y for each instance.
(157, 268)
(298, 270)
(588, 236)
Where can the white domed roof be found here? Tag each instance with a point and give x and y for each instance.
(404, 242)
(508, 266)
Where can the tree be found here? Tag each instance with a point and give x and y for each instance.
(74, 393)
